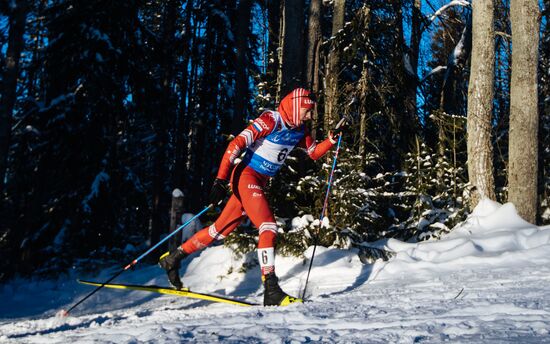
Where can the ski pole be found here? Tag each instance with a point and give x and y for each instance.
(323, 212)
(135, 261)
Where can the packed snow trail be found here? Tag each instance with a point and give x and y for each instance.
(499, 262)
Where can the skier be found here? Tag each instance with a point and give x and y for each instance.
(268, 141)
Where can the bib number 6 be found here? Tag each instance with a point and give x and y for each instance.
(282, 154)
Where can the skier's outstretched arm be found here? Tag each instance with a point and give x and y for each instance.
(260, 127)
(317, 150)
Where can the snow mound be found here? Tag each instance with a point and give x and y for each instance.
(490, 216)
(492, 234)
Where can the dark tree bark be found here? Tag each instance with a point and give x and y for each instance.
(363, 92)
(404, 119)
(165, 111)
(314, 40)
(274, 8)
(333, 68)
(242, 94)
(182, 122)
(450, 90)
(456, 63)
(292, 60)
(411, 77)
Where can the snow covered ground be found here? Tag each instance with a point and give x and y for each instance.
(488, 281)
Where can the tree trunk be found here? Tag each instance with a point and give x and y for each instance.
(403, 122)
(480, 102)
(411, 76)
(524, 118)
(331, 79)
(313, 47)
(190, 127)
(161, 122)
(273, 63)
(314, 37)
(242, 95)
(10, 72)
(203, 137)
(292, 58)
(363, 88)
(450, 90)
(458, 58)
(363, 91)
(182, 123)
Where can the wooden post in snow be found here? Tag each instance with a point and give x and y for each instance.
(175, 218)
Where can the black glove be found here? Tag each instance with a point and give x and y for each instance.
(218, 192)
(340, 127)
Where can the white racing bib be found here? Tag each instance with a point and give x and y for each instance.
(268, 154)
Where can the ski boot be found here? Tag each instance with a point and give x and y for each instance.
(274, 295)
(170, 261)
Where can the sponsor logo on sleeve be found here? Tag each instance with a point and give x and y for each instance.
(260, 123)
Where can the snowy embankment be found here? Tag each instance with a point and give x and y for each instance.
(488, 281)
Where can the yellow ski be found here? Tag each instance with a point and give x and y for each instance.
(170, 291)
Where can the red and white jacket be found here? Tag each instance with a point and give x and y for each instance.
(268, 141)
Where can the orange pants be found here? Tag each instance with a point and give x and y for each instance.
(248, 199)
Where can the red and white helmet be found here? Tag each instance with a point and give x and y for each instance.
(289, 108)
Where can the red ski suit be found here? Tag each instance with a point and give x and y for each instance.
(262, 140)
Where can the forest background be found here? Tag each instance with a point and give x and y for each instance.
(108, 106)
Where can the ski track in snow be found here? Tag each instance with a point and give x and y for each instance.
(486, 295)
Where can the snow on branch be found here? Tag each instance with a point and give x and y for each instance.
(434, 71)
(460, 49)
(458, 54)
(445, 7)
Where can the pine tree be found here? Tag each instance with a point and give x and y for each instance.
(77, 127)
(17, 16)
